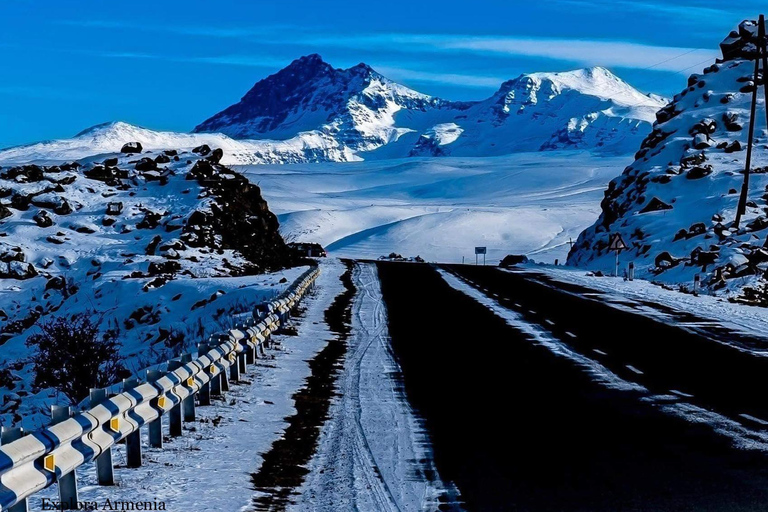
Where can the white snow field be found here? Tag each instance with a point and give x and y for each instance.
(440, 209)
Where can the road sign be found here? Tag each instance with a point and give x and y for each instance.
(617, 243)
(480, 250)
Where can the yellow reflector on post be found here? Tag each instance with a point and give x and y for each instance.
(161, 402)
(49, 463)
(191, 381)
(114, 424)
(213, 369)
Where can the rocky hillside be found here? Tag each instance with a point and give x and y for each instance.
(142, 240)
(675, 205)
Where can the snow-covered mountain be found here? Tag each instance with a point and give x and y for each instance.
(675, 205)
(109, 138)
(364, 111)
(312, 112)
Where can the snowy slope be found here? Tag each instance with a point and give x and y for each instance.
(140, 272)
(675, 205)
(109, 138)
(440, 209)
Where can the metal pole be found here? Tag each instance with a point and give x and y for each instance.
(174, 417)
(156, 426)
(741, 209)
(205, 391)
(9, 435)
(132, 440)
(105, 471)
(188, 404)
(67, 483)
(616, 270)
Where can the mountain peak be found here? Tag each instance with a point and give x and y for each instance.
(597, 82)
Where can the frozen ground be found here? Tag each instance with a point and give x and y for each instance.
(440, 209)
(373, 453)
(209, 467)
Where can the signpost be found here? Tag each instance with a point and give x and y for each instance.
(480, 250)
(617, 244)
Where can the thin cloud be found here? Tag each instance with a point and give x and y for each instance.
(403, 74)
(585, 52)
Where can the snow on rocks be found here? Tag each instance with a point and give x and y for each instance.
(675, 205)
(104, 238)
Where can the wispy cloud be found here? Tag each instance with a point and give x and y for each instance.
(576, 51)
(403, 74)
(583, 52)
(228, 60)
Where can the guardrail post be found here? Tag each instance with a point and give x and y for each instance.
(9, 435)
(205, 391)
(105, 471)
(216, 383)
(132, 440)
(250, 358)
(156, 426)
(174, 416)
(241, 361)
(67, 483)
(234, 369)
(188, 404)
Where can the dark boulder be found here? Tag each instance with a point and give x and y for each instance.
(146, 164)
(162, 159)
(665, 261)
(655, 205)
(216, 156)
(42, 219)
(132, 147)
(202, 150)
(698, 172)
(110, 162)
(166, 267)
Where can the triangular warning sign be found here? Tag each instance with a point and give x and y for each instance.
(617, 243)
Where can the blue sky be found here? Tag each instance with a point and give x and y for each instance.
(169, 64)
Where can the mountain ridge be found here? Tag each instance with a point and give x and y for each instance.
(310, 111)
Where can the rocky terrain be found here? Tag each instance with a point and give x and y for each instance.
(675, 206)
(155, 245)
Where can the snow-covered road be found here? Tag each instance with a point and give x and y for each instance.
(373, 453)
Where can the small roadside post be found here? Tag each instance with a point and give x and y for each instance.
(478, 251)
(631, 270)
(617, 244)
(696, 284)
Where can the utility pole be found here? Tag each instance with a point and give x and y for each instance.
(741, 209)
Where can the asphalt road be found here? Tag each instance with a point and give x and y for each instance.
(517, 427)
